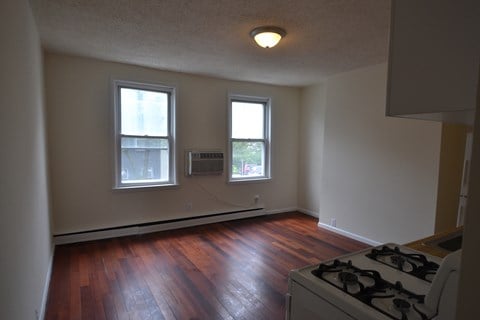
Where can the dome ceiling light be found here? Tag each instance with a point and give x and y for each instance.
(267, 36)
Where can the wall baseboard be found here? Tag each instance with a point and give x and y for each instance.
(309, 212)
(162, 226)
(349, 234)
(46, 287)
(283, 210)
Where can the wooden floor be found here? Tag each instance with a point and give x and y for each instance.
(230, 270)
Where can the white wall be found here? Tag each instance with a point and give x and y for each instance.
(311, 128)
(80, 138)
(379, 175)
(26, 247)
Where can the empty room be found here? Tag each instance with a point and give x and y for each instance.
(211, 159)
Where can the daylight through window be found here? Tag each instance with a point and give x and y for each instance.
(144, 133)
(249, 138)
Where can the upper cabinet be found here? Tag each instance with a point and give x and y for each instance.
(434, 59)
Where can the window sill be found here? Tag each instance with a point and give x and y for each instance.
(251, 180)
(146, 187)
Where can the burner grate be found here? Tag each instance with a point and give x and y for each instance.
(414, 264)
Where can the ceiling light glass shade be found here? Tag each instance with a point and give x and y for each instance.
(267, 37)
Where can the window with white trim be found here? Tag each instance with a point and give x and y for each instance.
(144, 134)
(249, 138)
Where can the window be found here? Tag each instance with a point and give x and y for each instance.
(249, 138)
(144, 135)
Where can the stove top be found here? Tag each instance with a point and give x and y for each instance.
(385, 282)
(370, 288)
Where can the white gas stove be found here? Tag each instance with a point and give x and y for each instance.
(385, 282)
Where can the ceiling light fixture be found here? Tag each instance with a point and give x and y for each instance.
(267, 36)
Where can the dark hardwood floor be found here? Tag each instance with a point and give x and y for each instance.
(229, 270)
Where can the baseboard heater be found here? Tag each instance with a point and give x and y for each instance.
(155, 226)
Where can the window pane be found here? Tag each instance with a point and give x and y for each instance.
(144, 160)
(247, 120)
(248, 159)
(144, 112)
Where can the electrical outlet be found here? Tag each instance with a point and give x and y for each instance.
(333, 222)
(256, 198)
(188, 206)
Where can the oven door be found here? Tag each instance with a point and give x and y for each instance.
(303, 304)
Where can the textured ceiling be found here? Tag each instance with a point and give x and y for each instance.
(211, 37)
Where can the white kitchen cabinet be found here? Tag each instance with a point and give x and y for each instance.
(434, 59)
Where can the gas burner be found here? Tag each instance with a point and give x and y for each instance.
(401, 305)
(414, 264)
(348, 278)
(398, 303)
(401, 263)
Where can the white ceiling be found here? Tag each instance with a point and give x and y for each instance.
(211, 37)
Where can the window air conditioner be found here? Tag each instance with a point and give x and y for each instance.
(204, 163)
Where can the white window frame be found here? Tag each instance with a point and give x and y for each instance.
(266, 101)
(172, 174)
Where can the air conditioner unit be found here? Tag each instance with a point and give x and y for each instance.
(204, 163)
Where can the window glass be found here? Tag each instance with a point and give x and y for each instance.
(144, 135)
(249, 138)
(248, 159)
(144, 112)
(247, 120)
(144, 160)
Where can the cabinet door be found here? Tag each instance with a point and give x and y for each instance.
(434, 56)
